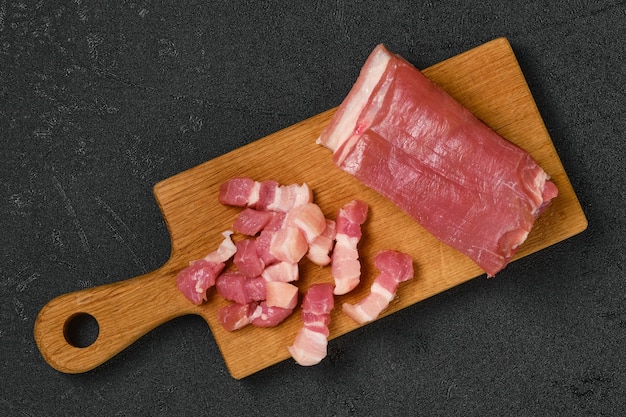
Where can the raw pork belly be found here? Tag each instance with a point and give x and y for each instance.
(346, 267)
(395, 267)
(235, 286)
(406, 138)
(194, 280)
(263, 195)
(309, 346)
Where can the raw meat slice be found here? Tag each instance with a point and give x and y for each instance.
(235, 316)
(263, 246)
(309, 219)
(240, 192)
(247, 259)
(281, 294)
(318, 299)
(235, 286)
(276, 221)
(346, 267)
(406, 138)
(310, 344)
(194, 280)
(395, 267)
(288, 245)
(267, 316)
(263, 195)
(250, 221)
(281, 272)
(322, 245)
(286, 197)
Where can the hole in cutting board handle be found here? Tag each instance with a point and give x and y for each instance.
(81, 330)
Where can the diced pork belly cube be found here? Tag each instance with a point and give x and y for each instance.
(281, 294)
(263, 246)
(287, 197)
(235, 316)
(288, 245)
(309, 347)
(276, 222)
(250, 221)
(318, 299)
(308, 218)
(247, 259)
(281, 272)
(239, 192)
(267, 316)
(395, 267)
(194, 280)
(200, 275)
(322, 245)
(235, 286)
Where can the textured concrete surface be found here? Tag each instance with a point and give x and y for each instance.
(100, 101)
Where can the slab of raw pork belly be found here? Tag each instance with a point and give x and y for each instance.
(310, 344)
(395, 267)
(403, 136)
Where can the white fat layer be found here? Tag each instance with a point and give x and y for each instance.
(225, 250)
(347, 123)
(379, 289)
(253, 198)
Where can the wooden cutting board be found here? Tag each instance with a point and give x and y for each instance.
(486, 79)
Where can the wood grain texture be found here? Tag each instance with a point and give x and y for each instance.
(486, 79)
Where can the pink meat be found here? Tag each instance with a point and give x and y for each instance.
(240, 192)
(235, 316)
(247, 259)
(276, 221)
(309, 219)
(403, 136)
(310, 344)
(194, 280)
(281, 272)
(286, 197)
(395, 267)
(318, 299)
(281, 294)
(267, 316)
(288, 245)
(322, 245)
(263, 195)
(250, 221)
(235, 286)
(263, 246)
(346, 267)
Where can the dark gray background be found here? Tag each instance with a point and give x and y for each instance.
(101, 100)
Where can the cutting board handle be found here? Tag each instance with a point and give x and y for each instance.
(124, 311)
